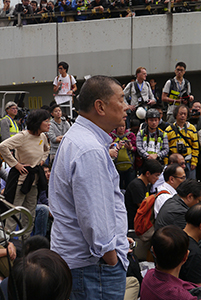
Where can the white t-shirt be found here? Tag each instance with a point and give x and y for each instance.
(61, 97)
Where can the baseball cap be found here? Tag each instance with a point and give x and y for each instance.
(9, 104)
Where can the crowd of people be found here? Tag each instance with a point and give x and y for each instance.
(83, 10)
(85, 185)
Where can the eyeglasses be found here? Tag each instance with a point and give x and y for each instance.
(60, 68)
(180, 70)
(13, 108)
(182, 163)
(182, 177)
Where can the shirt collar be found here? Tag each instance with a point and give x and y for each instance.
(102, 136)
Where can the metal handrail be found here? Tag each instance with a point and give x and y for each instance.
(13, 211)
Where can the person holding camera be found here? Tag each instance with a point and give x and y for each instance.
(141, 94)
(195, 113)
(177, 91)
(24, 9)
(183, 139)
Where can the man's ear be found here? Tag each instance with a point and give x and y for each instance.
(99, 106)
(185, 257)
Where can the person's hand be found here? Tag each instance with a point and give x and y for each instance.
(70, 92)
(193, 167)
(128, 145)
(12, 251)
(131, 107)
(21, 168)
(42, 162)
(131, 241)
(191, 98)
(152, 156)
(59, 138)
(151, 102)
(113, 153)
(120, 144)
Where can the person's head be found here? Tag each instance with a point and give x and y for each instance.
(101, 98)
(25, 2)
(180, 69)
(135, 125)
(190, 191)
(6, 2)
(152, 83)
(159, 108)
(47, 277)
(51, 4)
(152, 119)
(43, 3)
(193, 215)
(170, 246)
(34, 4)
(176, 158)
(181, 113)
(38, 121)
(196, 108)
(141, 74)
(121, 129)
(174, 175)
(151, 169)
(46, 171)
(63, 67)
(34, 243)
(56, 111)
(11, 109)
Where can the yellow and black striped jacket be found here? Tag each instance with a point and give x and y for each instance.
(190, 132)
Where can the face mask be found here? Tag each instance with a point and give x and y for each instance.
(44, 5)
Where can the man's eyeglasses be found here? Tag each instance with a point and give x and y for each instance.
(182, 177)
(180, 70)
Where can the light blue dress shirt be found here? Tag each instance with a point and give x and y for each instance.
(90, 218)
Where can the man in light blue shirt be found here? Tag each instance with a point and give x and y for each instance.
(90, 219)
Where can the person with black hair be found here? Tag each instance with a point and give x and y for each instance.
(138, 188)
(177, 91)
(173, 175)
(183, 139)
(152, 142)
(58, 127)
(162, 124)
(170, 248)
(174, 209)
(64, 85)
(46, 277)
(191, 270)
(31, 150)
(90, 221)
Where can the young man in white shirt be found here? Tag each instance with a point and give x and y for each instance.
(64, 86)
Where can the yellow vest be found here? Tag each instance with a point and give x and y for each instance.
(13, 126)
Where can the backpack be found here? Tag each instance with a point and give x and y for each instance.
(125, 158)
(144, 218)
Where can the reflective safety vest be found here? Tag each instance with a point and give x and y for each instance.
(152, 145)
(13, 126)
(174, 93)
(125, 158)
(84, 7)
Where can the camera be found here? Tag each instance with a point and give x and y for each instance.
(181, 148)
(195, 112)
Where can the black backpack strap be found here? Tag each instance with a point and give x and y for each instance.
(177, 131)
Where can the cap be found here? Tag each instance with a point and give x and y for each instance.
(152, 113)
(9, 104)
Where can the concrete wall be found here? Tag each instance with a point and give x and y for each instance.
(116, 47)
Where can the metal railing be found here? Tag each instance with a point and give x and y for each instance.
(108, 12)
